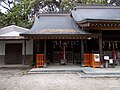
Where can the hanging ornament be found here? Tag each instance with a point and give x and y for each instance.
(109, 45)
(65, 44)
(74, 42)
(71, 44)
(55, 42)
(116, 46)
(103, 44)
(54, 45)
(60, 42)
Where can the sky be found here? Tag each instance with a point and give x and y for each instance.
(3, 10)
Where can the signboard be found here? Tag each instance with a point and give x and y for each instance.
(97, 57)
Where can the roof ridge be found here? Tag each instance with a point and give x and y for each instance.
(96, 6)
(12, 26)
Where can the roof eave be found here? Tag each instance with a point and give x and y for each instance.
(97, 7)
(98, 20)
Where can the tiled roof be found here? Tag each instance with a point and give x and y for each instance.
(96, 12)
(55, 24)
(12, 30)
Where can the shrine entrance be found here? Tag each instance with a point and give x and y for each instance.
(65, 51)
(57, 50)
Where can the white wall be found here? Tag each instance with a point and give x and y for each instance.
(29, 46)
(2, 48)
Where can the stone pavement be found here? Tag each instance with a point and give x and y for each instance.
(100, 72)
(57, 69)
(84, 72)
(16, 66)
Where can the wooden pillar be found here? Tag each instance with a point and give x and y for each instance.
(100, 48)
(45, 63)
(82, 53)
(63, 51)
(23, 62)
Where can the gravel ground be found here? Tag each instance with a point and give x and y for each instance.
(17, 79)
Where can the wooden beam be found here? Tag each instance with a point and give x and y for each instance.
(84, 24)
(103, 28)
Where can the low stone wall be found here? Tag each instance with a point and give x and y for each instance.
(28, 59)
(1, 59)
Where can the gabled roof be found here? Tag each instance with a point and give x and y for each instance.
(96, 12)
(11, 32)
(55, 24)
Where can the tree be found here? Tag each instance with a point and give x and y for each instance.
(115, 2)
(22, 12)
(6, 4)
(18, 14)
(67, 5)
(2, 16)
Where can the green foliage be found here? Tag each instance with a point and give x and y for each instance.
(18, 14)
(2, 16)
(66, 5)
(93, 1)
(115, 2)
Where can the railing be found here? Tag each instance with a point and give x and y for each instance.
(89, 60)
(39, 60)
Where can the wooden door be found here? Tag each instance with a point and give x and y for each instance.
(13, 53)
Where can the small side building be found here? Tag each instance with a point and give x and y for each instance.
(15, 49)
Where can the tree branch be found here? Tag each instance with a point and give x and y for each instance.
(5, 7)
(5, 3)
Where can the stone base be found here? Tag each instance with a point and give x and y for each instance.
(63, 61)
(45, 65)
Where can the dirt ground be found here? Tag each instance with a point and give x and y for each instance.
(17, 79)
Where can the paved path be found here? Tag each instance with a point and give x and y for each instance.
(16, 80)
(82, 71)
